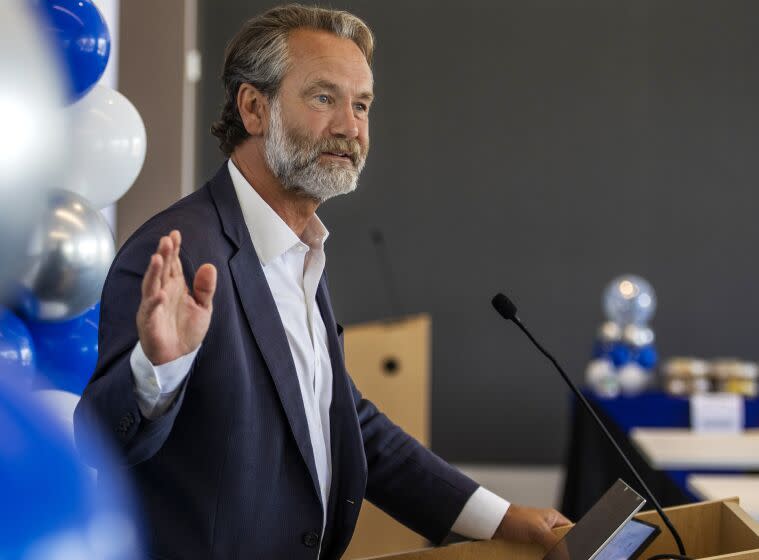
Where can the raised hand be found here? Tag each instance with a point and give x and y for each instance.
(171, 321)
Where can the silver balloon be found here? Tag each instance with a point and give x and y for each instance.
(69, 256)
(32, 131)
(629, 300)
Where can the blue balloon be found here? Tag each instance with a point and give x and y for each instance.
(17, 356)
(66, 351)
(647, 357)
(601, 349)
(50, 507)
(620, 354)
(81, 36)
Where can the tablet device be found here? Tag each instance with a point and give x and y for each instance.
(631, 540)
(597, 528)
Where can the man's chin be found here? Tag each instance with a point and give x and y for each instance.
(320, 193)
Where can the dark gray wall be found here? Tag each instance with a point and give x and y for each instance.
(543, 147)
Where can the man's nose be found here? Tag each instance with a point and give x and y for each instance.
(344, 123)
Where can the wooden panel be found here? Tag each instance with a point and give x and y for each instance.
(480, 550)
(390, 364)
(738, 530)
(698, 527)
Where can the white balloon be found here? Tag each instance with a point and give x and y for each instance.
(601, 376)
(32, 130)
(598, 370)
(633, 379)
(109, 143)
(61, 405)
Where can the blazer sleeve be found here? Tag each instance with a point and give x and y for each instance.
(406, 480)
(108, 405)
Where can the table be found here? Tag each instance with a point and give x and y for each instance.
(715, 486)
(681, 448)
(592, 464)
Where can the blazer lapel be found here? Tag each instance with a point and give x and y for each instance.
(348, 458)
(263, 316)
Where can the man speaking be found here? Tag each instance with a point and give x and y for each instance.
(229, 398)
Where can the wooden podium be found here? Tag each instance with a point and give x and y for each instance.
(719, 529)
(390, 363)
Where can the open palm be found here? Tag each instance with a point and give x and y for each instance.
(172, 321)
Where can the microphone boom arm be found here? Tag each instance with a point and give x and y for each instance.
(507, 309)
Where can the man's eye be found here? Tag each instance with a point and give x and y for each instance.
(322, 98)
(362, 107)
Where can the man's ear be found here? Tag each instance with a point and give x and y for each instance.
(253, 107)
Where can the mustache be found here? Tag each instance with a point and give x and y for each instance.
(312, 149)
(341, 146)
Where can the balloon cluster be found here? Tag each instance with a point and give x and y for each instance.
(624, 354)
(68, 148)
(85, 148)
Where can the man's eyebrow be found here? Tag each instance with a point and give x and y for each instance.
(332, 87)
(365, 96)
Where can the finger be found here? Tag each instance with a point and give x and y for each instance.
(151, 282)
(554, 518)
(176, 264)
(149, 304)
(165, 250)
(204, 285)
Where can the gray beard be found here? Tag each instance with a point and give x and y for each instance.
(298, 167)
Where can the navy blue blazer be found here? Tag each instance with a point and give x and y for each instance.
(228, 472)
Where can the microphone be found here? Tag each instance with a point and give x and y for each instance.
(378, 239)
(508, 311)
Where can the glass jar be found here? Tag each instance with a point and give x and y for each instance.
(685, 376)
(735, 376)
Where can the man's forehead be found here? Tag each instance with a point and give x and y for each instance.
(317, 55)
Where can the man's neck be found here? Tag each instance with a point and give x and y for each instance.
(295, 209)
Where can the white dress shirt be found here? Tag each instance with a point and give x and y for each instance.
(292, 267)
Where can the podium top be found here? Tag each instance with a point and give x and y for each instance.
(715, 530)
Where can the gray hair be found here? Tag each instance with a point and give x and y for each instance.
(258, 55)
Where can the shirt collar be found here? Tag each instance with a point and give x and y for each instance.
(271, 236)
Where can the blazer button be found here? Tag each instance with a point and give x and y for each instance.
(311, 539)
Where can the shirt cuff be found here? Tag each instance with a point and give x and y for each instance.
(156, 386)
(481, 516)
(169, 376)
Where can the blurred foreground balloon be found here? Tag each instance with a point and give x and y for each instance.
(66, 351)
(70, 253)
(17, 356)
(81, 36)
(60, 405)
(50, 509)
(108, 146)
(33, 135)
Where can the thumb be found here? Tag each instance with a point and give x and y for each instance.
(204, 285)
(552, 519)
(547, 539)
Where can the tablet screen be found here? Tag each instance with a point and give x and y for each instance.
(629, 542)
